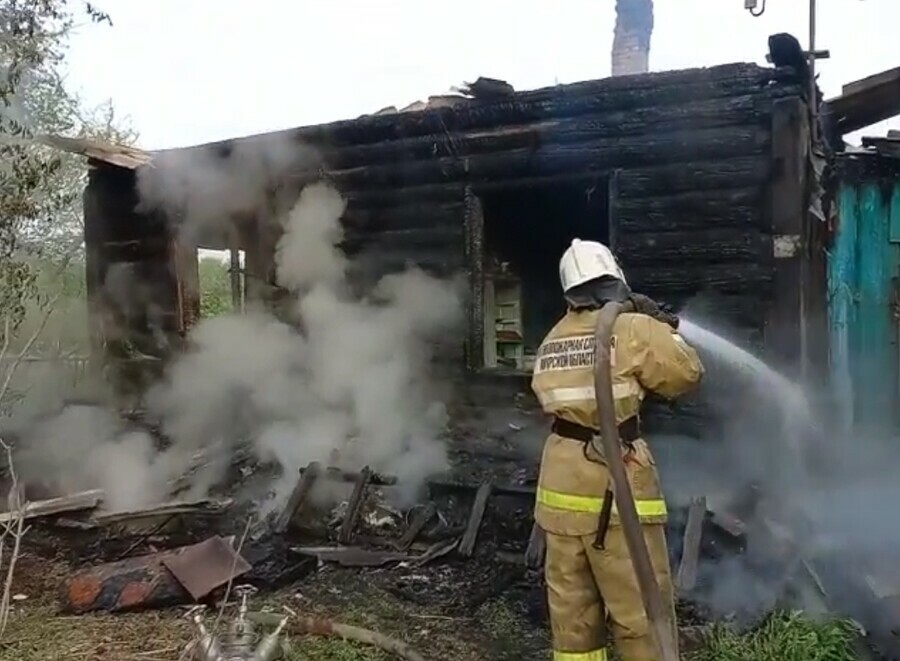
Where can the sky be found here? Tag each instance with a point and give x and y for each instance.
(185, 72)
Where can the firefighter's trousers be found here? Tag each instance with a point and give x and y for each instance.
(592, 591)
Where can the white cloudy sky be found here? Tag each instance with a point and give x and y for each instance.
(193, 71)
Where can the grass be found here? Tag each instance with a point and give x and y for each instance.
(786, 637)
(330, 649)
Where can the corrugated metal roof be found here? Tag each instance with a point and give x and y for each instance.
(118, 155)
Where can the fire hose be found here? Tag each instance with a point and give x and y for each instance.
(651, 594)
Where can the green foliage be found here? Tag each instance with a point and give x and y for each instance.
(40, 189)
(786, 637)
(215, 288)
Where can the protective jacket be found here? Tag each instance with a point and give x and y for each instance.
(587, 586)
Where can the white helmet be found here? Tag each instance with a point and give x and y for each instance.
(584, 261)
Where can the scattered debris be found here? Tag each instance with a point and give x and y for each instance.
(85, 500)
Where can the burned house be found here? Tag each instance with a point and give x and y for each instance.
(698, 179)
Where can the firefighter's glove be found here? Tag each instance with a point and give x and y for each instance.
(646, 305)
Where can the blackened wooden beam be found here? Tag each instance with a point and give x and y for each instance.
(467, 545)
(354, 506)
(624, 92)
(690, 549)
(420, 519)
(694, 210)
(695, 175)
(709, 246)
(298, 495)
(747, 109)
(635, 151)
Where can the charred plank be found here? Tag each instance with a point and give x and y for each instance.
(354, 506)
(409, 216)
(420, 520)
(298, 495)
(435, 238)
(701, 175)
(690, 553)
(744, 110)
(729, 207)
(625, 92)
(708, 246)
(467, 545)
(558, 159)
(694, 278)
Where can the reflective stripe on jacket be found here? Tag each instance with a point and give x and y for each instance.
(646, 355)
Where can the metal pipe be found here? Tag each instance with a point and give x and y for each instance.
(631, 524)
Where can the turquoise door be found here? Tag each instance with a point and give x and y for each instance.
(863, 291)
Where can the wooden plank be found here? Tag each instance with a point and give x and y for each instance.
(627, 92)
(785, 336)
(637, 151)
(475, 257)
(298, 495)
(698, 175)
(354, 506)
(692, 278)
(467, 545)
(710, 246)
(421, 518)
(700, 210)
(205, 506)
(690, 553)
(743, 110)
(84, 500)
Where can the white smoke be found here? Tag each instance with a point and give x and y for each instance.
(344, 382)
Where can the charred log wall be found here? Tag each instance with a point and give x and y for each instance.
(689, 154)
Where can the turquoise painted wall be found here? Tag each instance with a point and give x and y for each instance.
(863, 290)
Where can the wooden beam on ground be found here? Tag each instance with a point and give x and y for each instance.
(419, 521)
(298, 495)
(354, 506)
(85, 500)
(467, 545)
(207, 506)
(690, 553)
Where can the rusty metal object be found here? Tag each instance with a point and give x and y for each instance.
(206, 566)
(657, 613)
(127, 585)
(133, 584)
(354, 506)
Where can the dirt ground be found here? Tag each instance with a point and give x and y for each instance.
(501, 628)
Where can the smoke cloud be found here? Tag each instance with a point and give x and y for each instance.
(826, 486)
(342, 380)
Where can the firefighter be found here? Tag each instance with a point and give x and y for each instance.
(591, 585)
